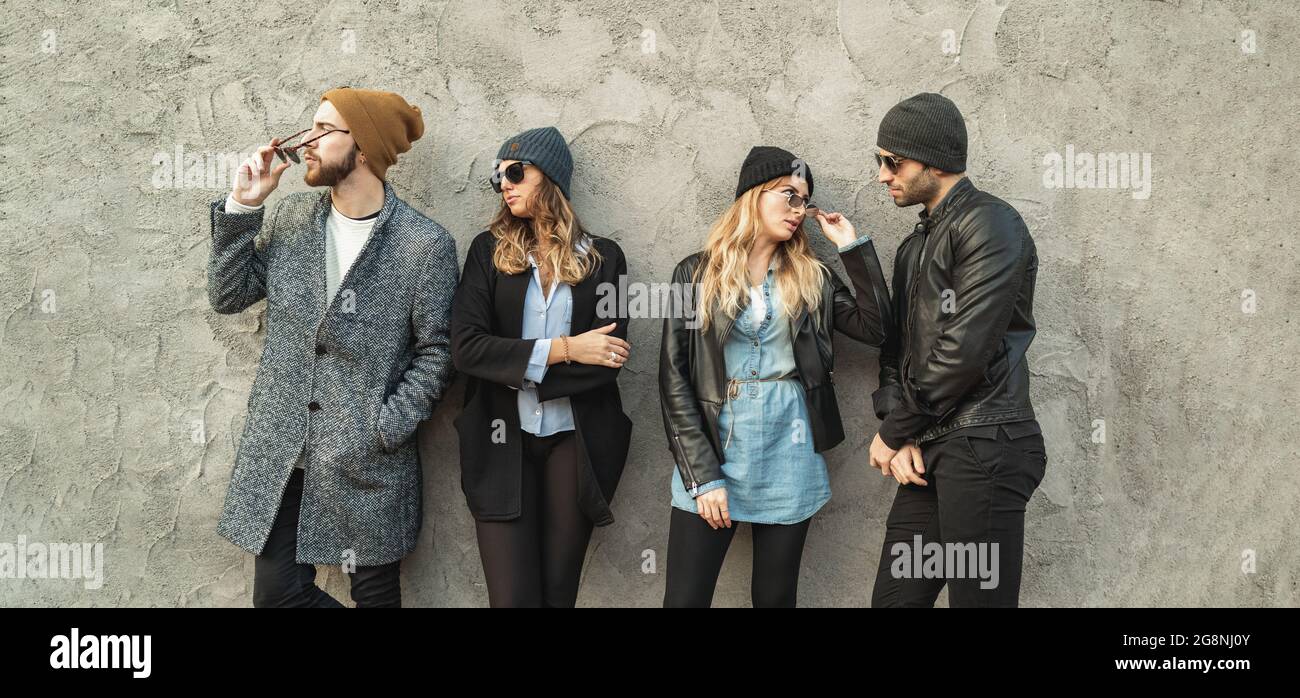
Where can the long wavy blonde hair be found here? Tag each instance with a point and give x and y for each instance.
(553, 219)
(724, 275)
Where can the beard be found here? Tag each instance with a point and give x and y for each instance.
(329, 175)
(919, 190)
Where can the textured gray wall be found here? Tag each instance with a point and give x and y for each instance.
(123, 393)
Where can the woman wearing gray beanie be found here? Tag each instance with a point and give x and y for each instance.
(543, 436)
(746, 384)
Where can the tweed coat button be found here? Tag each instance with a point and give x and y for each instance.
(313, 406)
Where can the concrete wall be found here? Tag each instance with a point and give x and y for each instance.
(1169, 317)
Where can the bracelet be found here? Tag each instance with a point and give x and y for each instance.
(565, 338)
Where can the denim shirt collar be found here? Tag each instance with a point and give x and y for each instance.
(771, 270)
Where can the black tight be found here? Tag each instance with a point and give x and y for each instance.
(536, 559)
(696, 552)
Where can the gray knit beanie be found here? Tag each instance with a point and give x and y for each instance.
(928, 128)
(545, 148)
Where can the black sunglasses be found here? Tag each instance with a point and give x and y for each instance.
(514, 172)
(890, 162)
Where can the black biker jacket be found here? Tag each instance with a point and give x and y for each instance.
(964, 297)
(692, 371)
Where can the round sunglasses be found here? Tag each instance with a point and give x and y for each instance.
(794, 200)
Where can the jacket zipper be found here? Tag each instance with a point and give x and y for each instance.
(693, 485)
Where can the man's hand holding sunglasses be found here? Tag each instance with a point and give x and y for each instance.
(256, 178)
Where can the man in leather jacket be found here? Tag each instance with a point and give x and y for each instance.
(958, 430)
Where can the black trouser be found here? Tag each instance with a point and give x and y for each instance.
(280, 582)
(977, 492)
(535, 560)
(696, 551)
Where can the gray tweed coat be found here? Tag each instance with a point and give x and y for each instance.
(349, 383)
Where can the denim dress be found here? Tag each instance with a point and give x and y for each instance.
(771, 472)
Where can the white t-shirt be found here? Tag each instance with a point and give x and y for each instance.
(344, 238)
(759, 307)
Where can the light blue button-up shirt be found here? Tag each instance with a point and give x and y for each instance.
(545, 316)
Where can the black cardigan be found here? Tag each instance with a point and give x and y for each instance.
(487, 316)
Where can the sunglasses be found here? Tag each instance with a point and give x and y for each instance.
(286, 153)
(794, 200)
(514, 172)
(889, 162)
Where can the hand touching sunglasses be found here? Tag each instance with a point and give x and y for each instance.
(291, 152)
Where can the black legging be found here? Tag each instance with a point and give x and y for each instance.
(536, 559)
(696, 551)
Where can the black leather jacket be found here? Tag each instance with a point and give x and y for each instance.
(693, 376)
(964, 297)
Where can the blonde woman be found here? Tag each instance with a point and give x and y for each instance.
(746, 382)
(543, 436)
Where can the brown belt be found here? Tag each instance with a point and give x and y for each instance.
(733, 392)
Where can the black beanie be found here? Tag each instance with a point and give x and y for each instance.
(928, 128)
(765, 162)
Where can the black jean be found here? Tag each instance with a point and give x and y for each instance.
(980, 480)
(281, 582)
(696, 551)
(535, 560)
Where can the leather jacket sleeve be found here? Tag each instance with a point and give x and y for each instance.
(890, 393)
(990, 257)
(684, 424)
(865, 317)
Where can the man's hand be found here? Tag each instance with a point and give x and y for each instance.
(881, 455)
(906, 464)
(256, 179)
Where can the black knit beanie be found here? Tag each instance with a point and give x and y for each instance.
(765, 162)
(928, 128)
